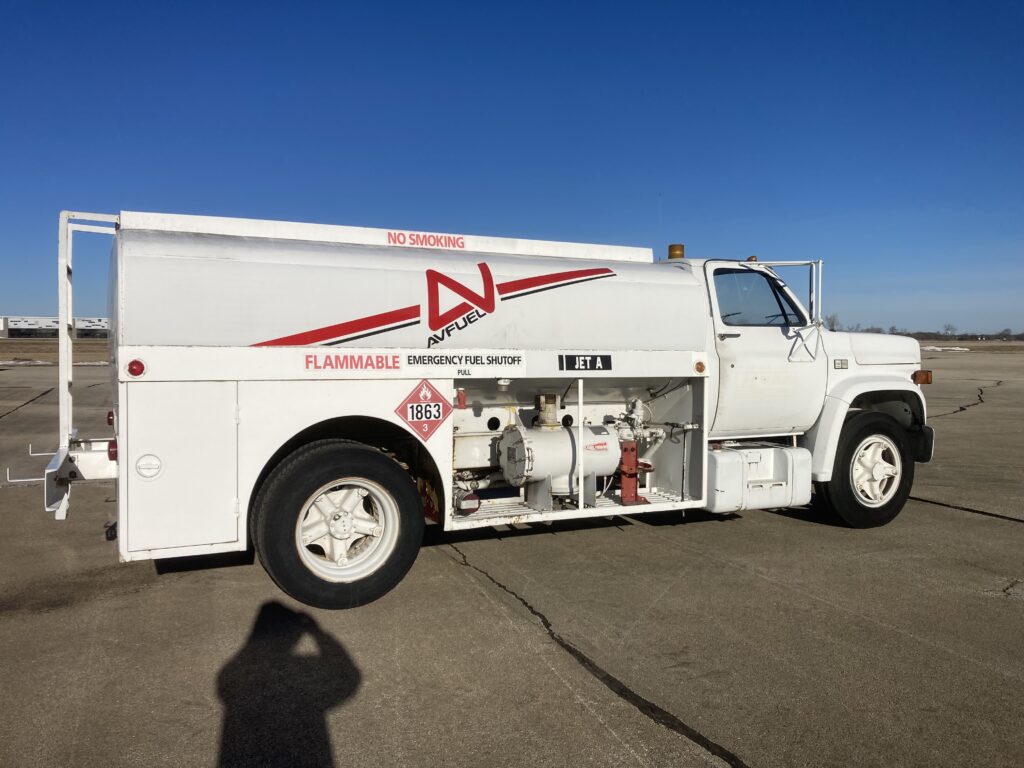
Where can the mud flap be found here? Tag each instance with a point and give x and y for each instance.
(922, 444)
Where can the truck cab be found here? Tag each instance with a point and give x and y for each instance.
(854, 400)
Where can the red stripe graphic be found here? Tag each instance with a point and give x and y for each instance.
(345, 329)
(406, 314)
(513, 286)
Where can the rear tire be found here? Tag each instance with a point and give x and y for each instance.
(873, 471)
(337, 524)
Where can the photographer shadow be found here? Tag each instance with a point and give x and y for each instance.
(277, 690)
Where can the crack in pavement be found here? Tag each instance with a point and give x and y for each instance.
(967, 509)
(27, 402)
(1008, 589)
(979, 401)
(646, 707)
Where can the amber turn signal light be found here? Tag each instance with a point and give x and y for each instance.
(921, 377)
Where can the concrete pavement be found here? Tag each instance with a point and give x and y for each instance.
(760, 639)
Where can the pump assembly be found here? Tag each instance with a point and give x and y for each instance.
(553, 460)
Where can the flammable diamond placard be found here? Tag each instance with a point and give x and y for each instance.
(425, 409)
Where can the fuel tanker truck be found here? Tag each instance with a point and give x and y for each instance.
(320, 393)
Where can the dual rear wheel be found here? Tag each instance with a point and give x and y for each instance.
(337, 524)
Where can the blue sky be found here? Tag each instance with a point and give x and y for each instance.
(883, 137)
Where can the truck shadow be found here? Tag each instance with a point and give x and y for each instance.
(812, 513)
(204, 562)
(276, 691)
(690, 517)
(434, 536)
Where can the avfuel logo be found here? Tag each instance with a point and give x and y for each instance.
(475, 304)
(475, 307)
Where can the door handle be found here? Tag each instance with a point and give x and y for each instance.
(724, 336)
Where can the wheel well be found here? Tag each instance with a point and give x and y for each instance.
(377, 433)
(903, 406)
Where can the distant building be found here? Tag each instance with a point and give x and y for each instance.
(47, 327)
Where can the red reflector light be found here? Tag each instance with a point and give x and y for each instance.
(110, 418)
(469, 503)
(922, 377)
(112, 450)
(136, 368)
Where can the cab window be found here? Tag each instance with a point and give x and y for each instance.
(748, 297)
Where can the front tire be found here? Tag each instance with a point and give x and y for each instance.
(337, 524)
(873, 471)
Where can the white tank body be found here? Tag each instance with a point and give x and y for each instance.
(192, 289)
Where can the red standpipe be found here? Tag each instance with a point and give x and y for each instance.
(629, 472)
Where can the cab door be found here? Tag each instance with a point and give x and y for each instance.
(772, 369)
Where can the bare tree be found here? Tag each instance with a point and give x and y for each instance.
(948, 329)
(832, 322)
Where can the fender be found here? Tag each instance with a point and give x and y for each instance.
(356, 409)
(823, 438)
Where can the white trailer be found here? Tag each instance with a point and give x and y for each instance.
(92, 324)
(32, 323)
(318, 392)
(30, 327)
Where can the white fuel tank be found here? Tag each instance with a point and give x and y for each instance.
(765, 476)
(532, 455)
(185, 282)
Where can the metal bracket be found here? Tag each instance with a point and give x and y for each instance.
(16, 480)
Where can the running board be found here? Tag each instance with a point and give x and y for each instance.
(515, 510)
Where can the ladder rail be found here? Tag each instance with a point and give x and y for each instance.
(69, 223)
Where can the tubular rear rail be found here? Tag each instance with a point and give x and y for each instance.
(76, 458)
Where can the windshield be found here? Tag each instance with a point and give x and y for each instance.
(749, 297)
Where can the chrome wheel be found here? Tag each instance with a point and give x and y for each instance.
(875, 471)
(347, 529)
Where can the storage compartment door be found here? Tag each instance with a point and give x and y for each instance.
(180, 458)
